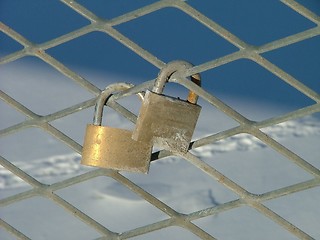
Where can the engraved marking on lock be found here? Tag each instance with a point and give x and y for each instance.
(113, 148)
(98, 139)
(167, 121)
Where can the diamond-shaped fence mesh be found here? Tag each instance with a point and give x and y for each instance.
(173, 218)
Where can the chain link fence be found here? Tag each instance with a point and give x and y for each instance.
(174, 218)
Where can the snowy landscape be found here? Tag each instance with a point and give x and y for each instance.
(185, 188)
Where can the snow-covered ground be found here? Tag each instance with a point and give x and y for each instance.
(243, 158)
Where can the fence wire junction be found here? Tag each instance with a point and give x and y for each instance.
(175, 218)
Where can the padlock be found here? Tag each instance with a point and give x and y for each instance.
(167, 121)
(113, 148)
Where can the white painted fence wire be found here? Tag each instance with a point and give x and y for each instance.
(174, 218)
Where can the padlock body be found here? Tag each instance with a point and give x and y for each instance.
(114, 148)
(167, 122)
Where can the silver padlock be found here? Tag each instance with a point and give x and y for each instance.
(113, 148)
(167, 121)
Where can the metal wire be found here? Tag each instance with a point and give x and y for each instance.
(174, 218)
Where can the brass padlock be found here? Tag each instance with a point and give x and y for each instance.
(113, 148)
(167, 121)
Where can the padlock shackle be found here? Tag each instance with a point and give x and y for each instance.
(168, 70)
(105, 95)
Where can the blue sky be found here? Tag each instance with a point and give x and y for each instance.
(170, 34)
